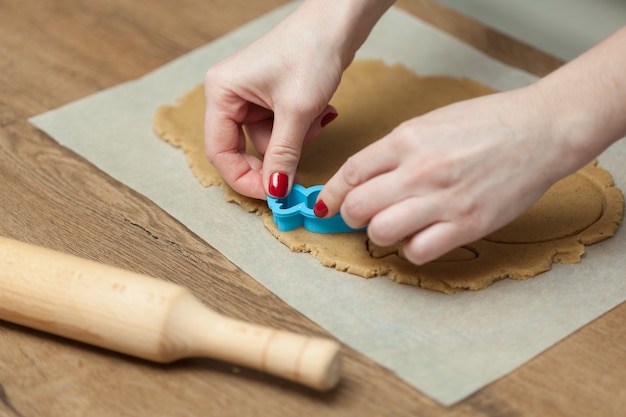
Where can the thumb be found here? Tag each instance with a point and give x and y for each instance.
(282, 155)
(284, 149)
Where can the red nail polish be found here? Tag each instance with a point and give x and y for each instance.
(328, 118)
(279, 183)
(320, 209)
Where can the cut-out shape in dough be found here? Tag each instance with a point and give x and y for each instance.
(579, 210)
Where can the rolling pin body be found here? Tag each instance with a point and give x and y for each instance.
(147, 318)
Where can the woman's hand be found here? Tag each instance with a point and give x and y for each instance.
(449, 177)
(278, 90)
(458, 173)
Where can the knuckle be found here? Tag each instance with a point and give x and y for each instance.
(355, 209)
(294, 108)
(382, 231)
(212, 78)
(469, 213)
(471, 219)
(217, 83)
(351, 172)
(283, 153)
(209, 154)
(414, 254)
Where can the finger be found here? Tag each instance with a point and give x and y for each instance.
(370, 162)
(250, 182)
(328, 115)
(283, 152)
(435, 241)
(402, 219)
(260, 133)
(259, 128)
(381, 192)
(225, 148)
(364, 202)
(258, 124)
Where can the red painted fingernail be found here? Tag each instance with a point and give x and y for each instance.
(320, 209)
(328, 118)
(279, 183)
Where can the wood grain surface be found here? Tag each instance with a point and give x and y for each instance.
(54, 52)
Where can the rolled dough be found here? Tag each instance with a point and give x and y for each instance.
(579, 210)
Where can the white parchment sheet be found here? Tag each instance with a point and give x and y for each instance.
(447, 346)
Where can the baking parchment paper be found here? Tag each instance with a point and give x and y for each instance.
(447, 346)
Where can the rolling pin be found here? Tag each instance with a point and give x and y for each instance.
(147, 318)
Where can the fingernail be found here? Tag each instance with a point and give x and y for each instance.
(320, 209)
(328, 118)
(279, 183)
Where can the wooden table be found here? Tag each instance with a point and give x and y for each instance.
(54, 52)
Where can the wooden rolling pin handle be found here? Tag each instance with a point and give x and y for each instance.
(145, 317)
(311, 361)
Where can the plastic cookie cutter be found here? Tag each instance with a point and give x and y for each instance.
(296, 210)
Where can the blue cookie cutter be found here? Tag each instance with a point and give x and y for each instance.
(296, 210)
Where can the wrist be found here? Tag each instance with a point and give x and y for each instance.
(585, 100)
(534, 132)
(344, 25)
